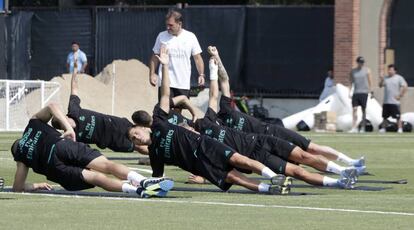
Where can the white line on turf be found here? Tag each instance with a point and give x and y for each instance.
(227, 204)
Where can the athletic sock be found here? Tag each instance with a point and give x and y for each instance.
(268, 173)
(329, 181)
(264, 187)
(135, 178)
(345, 159)
(334, 167)
(128, 188)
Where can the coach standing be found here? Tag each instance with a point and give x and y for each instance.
(76, 59)
(182, 44)
(395, 87)
(361, 78)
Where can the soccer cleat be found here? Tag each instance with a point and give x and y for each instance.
(382, 130)
(360, 170)
(1, 184)
(400, 130)
(360, 162)
(345, 183)
(153, 184)
(353, 130)
(350, 173)
(279, 179)
(279, 190)
(143, 193)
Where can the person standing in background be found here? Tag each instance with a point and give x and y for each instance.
(328, 85)
(361, 79)
(182, 44)
(76, 59)
(395, 87)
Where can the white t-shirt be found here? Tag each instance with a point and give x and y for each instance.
(180, 48)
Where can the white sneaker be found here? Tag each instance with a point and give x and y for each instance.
(353, 130)
(362, 131)
(382, 130)
(400, 130)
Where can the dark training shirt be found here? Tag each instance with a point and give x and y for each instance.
(36, 147)
(100, 129)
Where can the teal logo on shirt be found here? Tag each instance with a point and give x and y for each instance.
(82, 118)
(227, 153)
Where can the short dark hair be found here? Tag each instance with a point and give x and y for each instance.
(142, 118)
(392, 66)
(75, 42)
(174, 13)
(14, 146)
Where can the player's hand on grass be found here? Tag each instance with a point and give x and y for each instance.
(163, 56)
(69, 134)
(153, 79)
(194, 179)
(42, 186)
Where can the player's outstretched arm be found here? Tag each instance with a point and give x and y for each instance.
(53, 110)
(74, 86)
(20, 185)
(214, 88)
(223, 77)
(163, 58)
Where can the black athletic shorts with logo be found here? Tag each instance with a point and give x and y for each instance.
(391, 110)
(213, 161)
(67, 162)
(360, 99)
(288, 135)
(273, 152)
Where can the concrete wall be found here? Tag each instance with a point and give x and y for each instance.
(369, 34)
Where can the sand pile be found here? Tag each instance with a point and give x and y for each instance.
(132, 89)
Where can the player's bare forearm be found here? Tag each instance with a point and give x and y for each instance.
(165, 83)
(74, 86)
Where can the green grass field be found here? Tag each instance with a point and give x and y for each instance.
(389, 157)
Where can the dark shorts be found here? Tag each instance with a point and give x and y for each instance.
(273, 152)
(391, 110)
(67, 163)
(175, 92)
(359, 99)
(213, 162)
(288, 135)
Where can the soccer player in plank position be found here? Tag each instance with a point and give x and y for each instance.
(246, 123)
(91, 127)
(174, 145)
(73, 165)
(271, 151)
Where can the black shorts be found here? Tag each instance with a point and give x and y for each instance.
(391, 110)
(359, 99)
(67, 163)
(273, 152)
(213, 162)
(175, 92)
(288, 135)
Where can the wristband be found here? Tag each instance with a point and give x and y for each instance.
(213, 70)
